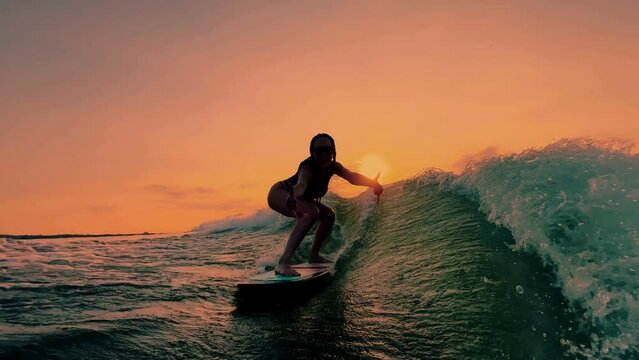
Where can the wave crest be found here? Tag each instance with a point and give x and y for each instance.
(575, 204)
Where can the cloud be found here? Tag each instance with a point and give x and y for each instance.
(101, 209)
(245, 186)
(488, 152)
(212, 205)
(97, 210)
(176, 192)
(169, 196)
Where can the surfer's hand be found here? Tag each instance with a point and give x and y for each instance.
(291, 205)
(297, 214)
(378, 189)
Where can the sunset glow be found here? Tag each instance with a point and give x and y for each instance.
(158, 116)
(371, 165)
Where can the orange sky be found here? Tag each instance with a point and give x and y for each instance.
(158, 116)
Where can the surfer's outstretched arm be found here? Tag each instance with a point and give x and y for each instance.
(359, 179)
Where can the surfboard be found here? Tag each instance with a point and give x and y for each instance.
(311, 275)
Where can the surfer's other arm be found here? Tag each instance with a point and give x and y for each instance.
(299, 189)
(358, 179)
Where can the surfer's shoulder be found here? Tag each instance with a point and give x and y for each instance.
(339, 169)
(305, 171)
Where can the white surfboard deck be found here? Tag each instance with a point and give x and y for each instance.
(308, 272)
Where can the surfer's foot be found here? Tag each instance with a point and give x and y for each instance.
(285, 270)
(318, 259)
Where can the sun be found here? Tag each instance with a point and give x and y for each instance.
(371, 164)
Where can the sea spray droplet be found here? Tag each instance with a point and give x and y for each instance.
(520, 290)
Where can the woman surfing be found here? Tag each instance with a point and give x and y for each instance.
(299, 197)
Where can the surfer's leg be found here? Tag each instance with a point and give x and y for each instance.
(327, 219)
(310, 214)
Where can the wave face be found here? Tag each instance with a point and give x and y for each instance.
(523, 256)
(575, 204)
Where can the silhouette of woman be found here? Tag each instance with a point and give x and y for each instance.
(299, 197)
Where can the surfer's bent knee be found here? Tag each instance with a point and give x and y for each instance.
(309, 210)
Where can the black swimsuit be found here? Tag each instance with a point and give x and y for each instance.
(318, 185)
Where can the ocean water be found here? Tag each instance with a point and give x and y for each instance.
(527, 256)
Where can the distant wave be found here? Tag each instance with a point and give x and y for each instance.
(259, 219)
